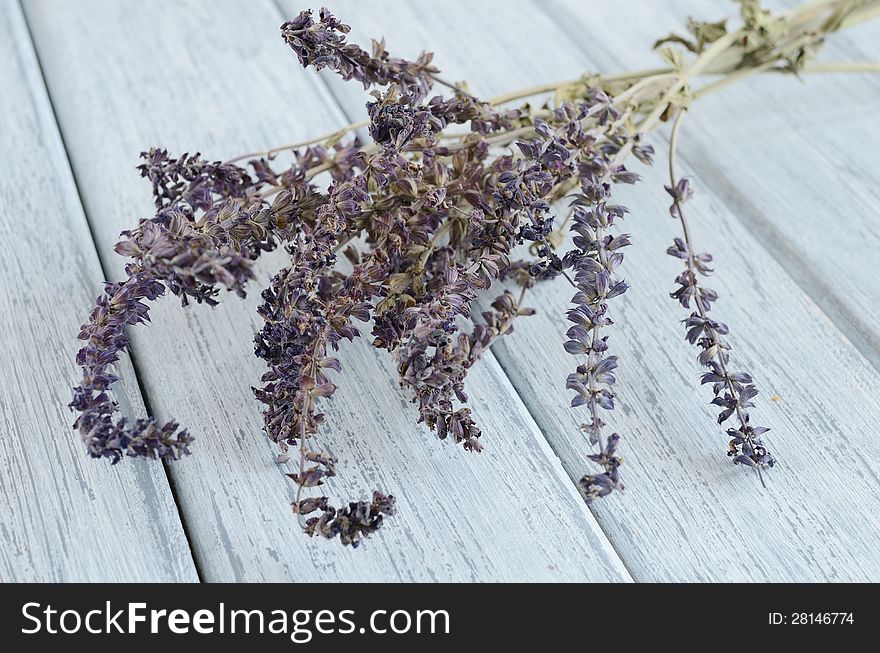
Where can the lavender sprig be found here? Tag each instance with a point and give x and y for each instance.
(304, 318)
(596, 282)
(596, 259)
(586, 146)
(191, 258)
(733, 390)
(120, 306)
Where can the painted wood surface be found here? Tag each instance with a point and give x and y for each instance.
(63, 516)
(688, 514)
(508, 514)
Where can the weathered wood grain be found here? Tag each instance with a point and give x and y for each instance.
(688, 514)
(63, 516)
(216, 77)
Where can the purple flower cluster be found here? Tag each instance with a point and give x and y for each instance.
(191, 181)
(323, 44)
(351, 524)
(307, 310)
(394, 121)
(433, 364)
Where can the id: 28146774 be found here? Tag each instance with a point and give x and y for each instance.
(806, 618)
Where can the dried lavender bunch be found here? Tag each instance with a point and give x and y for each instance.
(428, 219)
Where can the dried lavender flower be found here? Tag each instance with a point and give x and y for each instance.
(121, 305)
(359, 520)
(323, 44)
(190, 180)
(733, 391)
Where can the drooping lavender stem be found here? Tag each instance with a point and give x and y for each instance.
(104, 433)
(733, 390)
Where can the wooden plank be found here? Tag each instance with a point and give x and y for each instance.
(688, 514)
(65, 517)
(217, 77)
